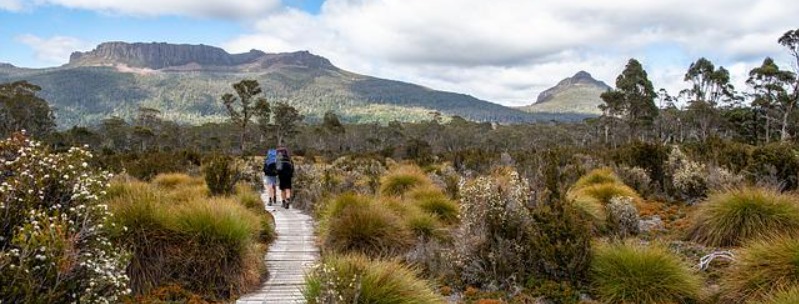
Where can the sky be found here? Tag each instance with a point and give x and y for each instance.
(504, 51)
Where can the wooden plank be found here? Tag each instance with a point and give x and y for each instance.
(290, 257)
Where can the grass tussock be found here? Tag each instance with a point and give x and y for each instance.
(631, 273)
(731, 218)
(597, 177)
(248, 197)
(605, 192)
(370, 229)
(789, 296)
(402, 179)
(357, 279)
(593, 209)
(424, 225)
(211, 247)
(174, 180)
(435, 202)
(761, 269)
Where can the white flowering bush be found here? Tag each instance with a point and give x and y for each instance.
(688, 175)
(504, 243)
(53, 242)
(490, 244)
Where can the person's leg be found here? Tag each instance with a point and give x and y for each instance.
(270, 185)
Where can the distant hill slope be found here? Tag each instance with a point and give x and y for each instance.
(576, 94)
(185, 82)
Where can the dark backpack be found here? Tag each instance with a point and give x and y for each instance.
(284, 163)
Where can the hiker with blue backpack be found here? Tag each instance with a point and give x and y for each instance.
(270, 175)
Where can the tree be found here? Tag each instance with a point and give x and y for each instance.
(21, 109)
(241, 114)
(790, 40)
(710, 87)
(284, 122)
(771, 96)
(633, 100)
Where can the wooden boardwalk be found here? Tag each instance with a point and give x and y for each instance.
(289, 258)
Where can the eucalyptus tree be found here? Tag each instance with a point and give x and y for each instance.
(633, 100)
(244, 107)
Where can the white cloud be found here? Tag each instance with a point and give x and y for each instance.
(225, 9)
(509, 50)
(54, 49)
(11, 5)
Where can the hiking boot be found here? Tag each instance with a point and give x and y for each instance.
(286, 203)
(271, 201)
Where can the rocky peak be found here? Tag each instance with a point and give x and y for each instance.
(160, 55)
(581, 79)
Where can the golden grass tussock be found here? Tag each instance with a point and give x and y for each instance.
(402, 179)
(209, 246)
(732, 217)
(597, 177)
(174, 180)
(762, 269)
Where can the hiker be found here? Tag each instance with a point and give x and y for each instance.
(285, 172)
(270, 174)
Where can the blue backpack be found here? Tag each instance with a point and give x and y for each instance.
(270, 163)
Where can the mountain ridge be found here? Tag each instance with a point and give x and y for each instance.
(184, 83)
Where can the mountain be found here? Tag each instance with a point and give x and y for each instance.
(576, 94)
(185, 83)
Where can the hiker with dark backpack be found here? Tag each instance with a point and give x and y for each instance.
(285, 172)
(270, 175)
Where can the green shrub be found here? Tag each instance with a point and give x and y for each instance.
(220, 175)
(369, 229)
(733, 217)
(762, 268)
(560, 244)
(399, 181)
(500, 242)
(629, 273)
(651, 157)
(778, 159)
(356, 279)
(54, 228)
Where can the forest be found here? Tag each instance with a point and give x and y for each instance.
(685, 198)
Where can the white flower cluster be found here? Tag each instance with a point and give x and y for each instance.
(333, 288)
(52, 233)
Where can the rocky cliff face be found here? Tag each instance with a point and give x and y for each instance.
(159, 56)
(581, 79)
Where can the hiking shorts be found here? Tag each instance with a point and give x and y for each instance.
(284, 181)
(270, 180)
